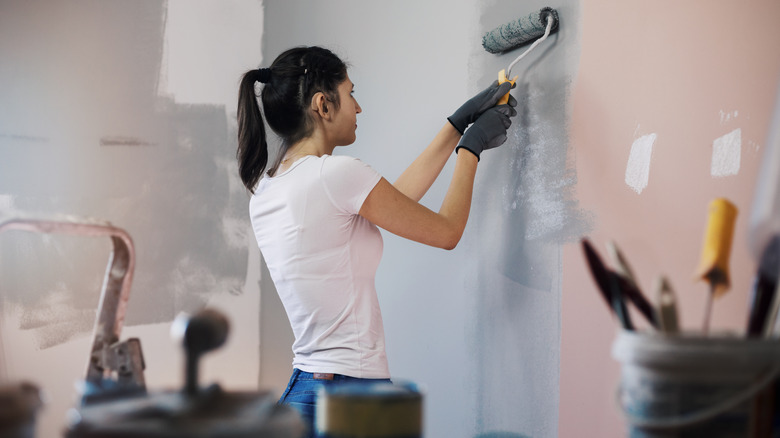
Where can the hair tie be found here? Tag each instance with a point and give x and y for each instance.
(263, 75)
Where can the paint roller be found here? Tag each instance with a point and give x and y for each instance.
(536, 26)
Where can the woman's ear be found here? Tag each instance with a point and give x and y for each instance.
(320, 105)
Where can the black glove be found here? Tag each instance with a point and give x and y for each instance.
(474, 107)
(489, 131)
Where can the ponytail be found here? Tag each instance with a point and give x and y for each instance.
(252, 151)
(289, 84)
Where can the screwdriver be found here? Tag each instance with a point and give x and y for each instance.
(667, 306)
(714, 265)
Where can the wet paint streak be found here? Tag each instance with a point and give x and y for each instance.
(125, 141)
(541, 181)
(25, 138)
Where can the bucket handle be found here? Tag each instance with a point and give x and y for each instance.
(704, 414)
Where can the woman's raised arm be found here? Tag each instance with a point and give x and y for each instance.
(420, 175)
(391, 209)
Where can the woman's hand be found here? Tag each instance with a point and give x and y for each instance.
(489, 131)
(470, 111)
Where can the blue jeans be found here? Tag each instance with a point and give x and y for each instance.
(301, 393)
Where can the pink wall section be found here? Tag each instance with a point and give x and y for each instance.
(690, 74)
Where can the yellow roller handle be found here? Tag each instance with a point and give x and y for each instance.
(501, 79)
(714, 266)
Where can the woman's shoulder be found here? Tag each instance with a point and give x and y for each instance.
(335, 163)
(343, 170)
(347, 181)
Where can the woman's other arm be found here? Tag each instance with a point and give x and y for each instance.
(391, 209)
(420, 175)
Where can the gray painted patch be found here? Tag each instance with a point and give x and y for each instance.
(85, 77)
(523, 211)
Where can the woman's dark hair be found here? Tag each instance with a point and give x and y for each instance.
(290, 82)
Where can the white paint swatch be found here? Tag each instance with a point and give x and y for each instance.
(726, 154)
(203, 32)
(638, 168)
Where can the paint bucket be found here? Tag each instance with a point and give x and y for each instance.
(693, 386)
(210, 413)
(377, 410)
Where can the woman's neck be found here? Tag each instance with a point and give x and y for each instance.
(305, 147)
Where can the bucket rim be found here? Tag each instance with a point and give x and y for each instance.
(649, 348)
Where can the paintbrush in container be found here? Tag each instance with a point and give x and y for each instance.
(666, 305)
(714, 264)
(628, 284)
(608, 284)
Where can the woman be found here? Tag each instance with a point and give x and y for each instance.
(315, 215)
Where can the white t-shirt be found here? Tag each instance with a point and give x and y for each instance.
(323, 257)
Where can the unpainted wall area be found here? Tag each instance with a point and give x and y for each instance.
(478, 327)
(671, 110)
(117, 111)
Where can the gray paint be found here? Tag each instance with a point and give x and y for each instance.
(86, 131)
(525, 192)
(123, 112)
(479, 326)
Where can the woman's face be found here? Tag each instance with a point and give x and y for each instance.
(345, 118)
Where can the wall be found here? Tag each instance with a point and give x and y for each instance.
(700, 76)
(123, 112)
(479, 327)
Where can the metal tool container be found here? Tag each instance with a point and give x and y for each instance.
(115, 402)
(193, 411)
(19, 404)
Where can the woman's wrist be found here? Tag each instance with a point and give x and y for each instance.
(450, 137)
